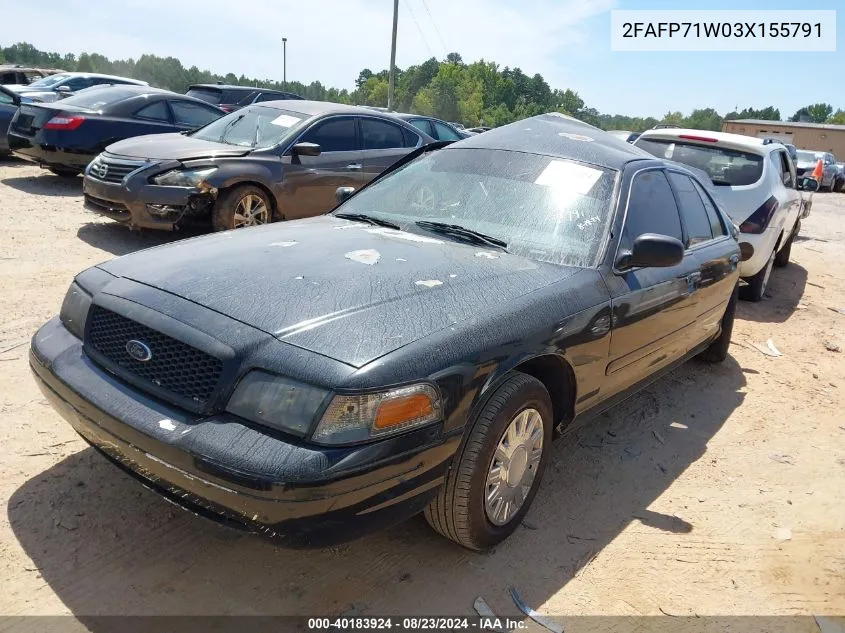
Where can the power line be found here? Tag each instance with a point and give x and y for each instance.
(436, 30)
(411, 11)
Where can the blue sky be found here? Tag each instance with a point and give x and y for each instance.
(567, 41)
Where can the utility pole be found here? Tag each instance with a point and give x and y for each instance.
(285, 63)
(392, 81)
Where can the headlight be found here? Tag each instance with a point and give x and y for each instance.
(75, 309)
(351, 419)
(184, 177)
(277, 402)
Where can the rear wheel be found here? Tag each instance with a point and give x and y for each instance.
(490, 488)
(718, 349)
(757, 284)
(64, 172)
(239, 207)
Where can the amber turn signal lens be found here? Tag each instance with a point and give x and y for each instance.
(401, 410)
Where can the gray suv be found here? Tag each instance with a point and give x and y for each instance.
(279, 160)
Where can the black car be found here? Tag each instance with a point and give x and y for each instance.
(279, 160)
(9, 102)
(435, 128)
(65, 136)
(320, 379)
(231, 98)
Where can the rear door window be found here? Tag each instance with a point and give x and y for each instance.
(79, 83)
(717, 226)
(692, 209)
(725, 167)
(423, 125)
(337, 134)
(192, 114)
(378, 134)
(269, 96)
(154, 112)
(651, 209)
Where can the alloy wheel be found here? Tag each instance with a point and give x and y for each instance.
(251, 210)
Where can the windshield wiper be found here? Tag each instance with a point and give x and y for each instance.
(461, 231)
(363, 217)
(229, 126)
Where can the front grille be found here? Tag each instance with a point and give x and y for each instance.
(174, 368)
(114, 170)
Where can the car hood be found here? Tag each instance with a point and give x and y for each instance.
(342, 289)
(173, 147)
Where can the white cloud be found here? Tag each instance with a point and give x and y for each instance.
(328, 40)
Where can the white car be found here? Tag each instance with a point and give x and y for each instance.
(755, 182)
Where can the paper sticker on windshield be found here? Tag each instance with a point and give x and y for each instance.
(285, 120)
(570, 176)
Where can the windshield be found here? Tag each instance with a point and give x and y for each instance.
(49, 82)
(97, 97)
(808, 157)
(544, 208)
(725, 167)
(254, 126)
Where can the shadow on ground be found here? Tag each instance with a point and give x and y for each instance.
(786, 287)
(119, 240)
(44, 184)
(105, 545)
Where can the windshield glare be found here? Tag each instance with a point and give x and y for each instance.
(544, 208)
(725, 167)
(98, 96)
(253, 126)
(50, 81)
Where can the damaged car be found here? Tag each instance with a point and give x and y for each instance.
(415, 350)
(279, 160)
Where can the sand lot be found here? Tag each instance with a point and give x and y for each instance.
(719, 490)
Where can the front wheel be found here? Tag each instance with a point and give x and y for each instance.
(489, 489)
(757, 284)
(240, 207)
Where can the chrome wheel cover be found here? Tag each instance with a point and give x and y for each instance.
(251, 211)
(513, 468)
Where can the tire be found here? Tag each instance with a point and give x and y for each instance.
(718, 349)
(460, 511)
(236, 202)
(757, 284)
(832, 184)
(782, 256)
(64, 172)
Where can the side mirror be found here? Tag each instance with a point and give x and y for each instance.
(63, 89)
(808, 184)
(342, 194)
(305, 149)
(651, 250)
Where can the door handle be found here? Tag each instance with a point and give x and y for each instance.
(692, 280)
(354, 166)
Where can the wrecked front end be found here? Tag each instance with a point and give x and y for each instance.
(149, 195)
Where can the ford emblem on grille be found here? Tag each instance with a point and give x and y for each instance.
(100, 170)
(138, 350)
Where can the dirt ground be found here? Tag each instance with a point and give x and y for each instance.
(718, 491)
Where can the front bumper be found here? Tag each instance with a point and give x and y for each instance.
(224, 469)
(146, 206)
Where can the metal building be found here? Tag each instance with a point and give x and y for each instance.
(820, 137)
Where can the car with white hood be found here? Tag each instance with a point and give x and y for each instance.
(755, 182)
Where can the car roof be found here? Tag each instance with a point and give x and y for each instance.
(723, 139)
(316, 108)
(561, 136)
(234, 87)
(141, 91)
(136, 82)
(18, 67)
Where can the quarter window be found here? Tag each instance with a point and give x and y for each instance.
(692, 210)
(154, 112)
(335, 135)
(192, 114)
(651, 209)
(379, 134)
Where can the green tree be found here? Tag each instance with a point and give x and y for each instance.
(837, 118)
(816, 113)
(704, 119)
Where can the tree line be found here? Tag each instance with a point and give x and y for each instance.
(477, 93)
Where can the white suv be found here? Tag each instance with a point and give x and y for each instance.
(754, 181)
